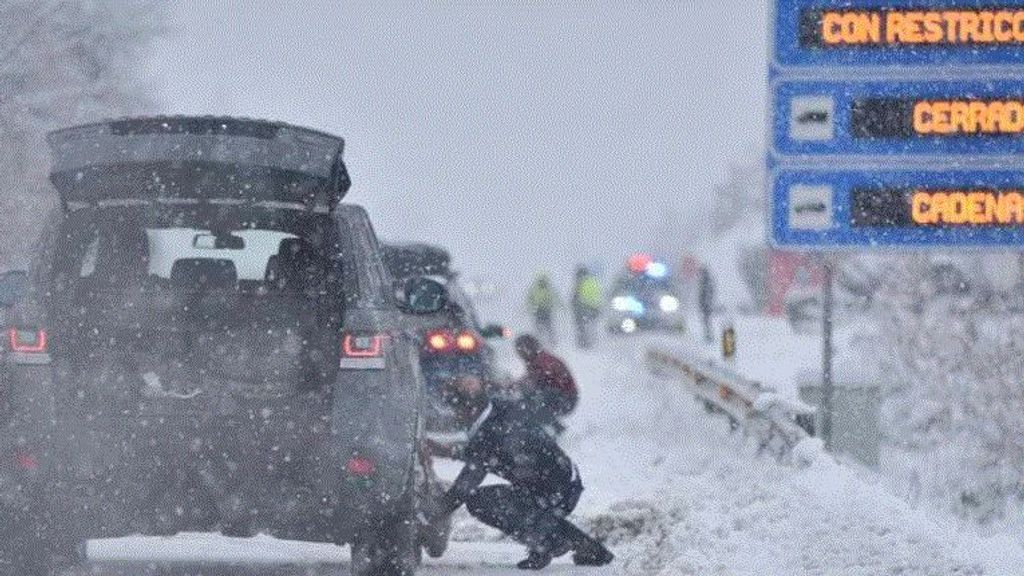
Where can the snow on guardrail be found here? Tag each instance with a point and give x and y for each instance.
(778, 424)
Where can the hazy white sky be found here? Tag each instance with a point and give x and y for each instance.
(525, 136)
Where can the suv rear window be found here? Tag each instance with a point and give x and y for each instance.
(253, 259)
(201, 292)
(263, 251)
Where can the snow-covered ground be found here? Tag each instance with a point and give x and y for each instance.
(675, 493)
(208, 555)
(715, 507)
(767, 350)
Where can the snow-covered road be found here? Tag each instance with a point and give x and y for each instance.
(204, 555)
(675, 493)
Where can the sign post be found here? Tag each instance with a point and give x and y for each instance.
(827, 382)
(895, 124)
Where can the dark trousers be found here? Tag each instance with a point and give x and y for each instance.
(545, 325)
(535, 519)
(585, 318)
(708, 333)
(544, 407)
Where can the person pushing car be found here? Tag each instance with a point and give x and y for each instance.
(543, 487)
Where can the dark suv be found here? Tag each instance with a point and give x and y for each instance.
(211, 342)
(453, 342)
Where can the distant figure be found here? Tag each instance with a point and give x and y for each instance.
(706, 301)
(542, 301)
(548, 389)
(587, 301)
(543, 487)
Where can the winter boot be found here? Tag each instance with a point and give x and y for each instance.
(537, 560)
(592, 553)
(540, 557)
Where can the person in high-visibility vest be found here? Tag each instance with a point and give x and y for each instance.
(542, 300)
(587, 301)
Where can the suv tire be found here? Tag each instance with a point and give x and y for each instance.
(26, 550)
(392, 550)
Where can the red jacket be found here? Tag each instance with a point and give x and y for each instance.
(552, 378)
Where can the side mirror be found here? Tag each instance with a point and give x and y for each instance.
(13, 286)
(494, 331)
(422, 296)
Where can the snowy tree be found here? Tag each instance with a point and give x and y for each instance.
(739, 196)
(61, 62)
(955, 353)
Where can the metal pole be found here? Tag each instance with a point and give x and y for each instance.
(828, 304)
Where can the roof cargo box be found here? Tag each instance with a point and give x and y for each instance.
(198, 159)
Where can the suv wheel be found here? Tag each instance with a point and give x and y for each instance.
(25, 551)
(392, 551)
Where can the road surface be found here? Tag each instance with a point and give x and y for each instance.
(206, 555)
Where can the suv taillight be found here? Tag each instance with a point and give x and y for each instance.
(27, 341)
(362, 346)
(360, 466)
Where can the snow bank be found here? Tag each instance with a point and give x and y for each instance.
(767, 351)
(676, 494)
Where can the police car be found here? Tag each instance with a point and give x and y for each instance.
(645, 297)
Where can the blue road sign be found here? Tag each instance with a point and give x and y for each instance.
(898, 33)
(941, 118)
(897, 123)
(857, 208)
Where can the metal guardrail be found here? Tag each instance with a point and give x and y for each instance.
(778, 424)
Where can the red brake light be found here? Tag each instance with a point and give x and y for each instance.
(363, 346)
(445, 341)
(467, 342)
(439, 341)
(27, 341)
(360, 466)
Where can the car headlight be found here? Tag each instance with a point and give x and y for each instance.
(627, 304)
(628, 326)
(668, 303)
